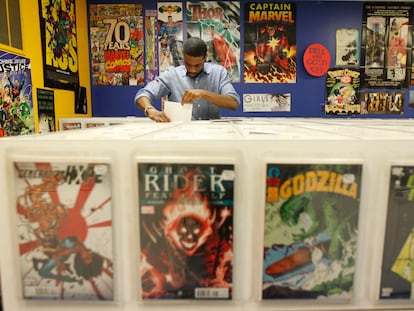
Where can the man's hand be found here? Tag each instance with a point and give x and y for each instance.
(222, 101)
(190, 96)
(158, 116)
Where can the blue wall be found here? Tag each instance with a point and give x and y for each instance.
(316, 22)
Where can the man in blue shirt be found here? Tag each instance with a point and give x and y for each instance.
(205, 85)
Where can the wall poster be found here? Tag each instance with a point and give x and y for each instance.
(266, 102)
(16, 106)
(347, 47)
(151, 51)
(382, 102)
(46, 110)
(342, 91)
(117, 45)
(386, 45)
(218, 24)
(59, 44)
(170, 34)
(270, 42)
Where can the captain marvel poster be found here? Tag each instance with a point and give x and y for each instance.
(270, 42)
(64, 226)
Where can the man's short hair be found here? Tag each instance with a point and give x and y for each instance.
(195, 47)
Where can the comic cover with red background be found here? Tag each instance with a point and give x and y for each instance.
(186, 230)
(64, 225)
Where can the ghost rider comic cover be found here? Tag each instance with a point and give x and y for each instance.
(186, 230)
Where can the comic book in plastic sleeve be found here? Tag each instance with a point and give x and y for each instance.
(186, 230)
(342, 91)
(310, 230)
(397, 277)
(64, 227)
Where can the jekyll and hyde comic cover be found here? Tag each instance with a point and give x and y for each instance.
(310, 233)
(186, 230)
(342, 91)
(386, 45)
(218, 24)
(397, 277)
(270, 42)
(64, 225)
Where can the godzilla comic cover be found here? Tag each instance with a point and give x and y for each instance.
(397, 277)
(64, 226)
(310, 233)
(186, 230)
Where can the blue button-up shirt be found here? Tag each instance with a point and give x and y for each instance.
(174, 82)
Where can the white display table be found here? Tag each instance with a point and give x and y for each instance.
(249, 144)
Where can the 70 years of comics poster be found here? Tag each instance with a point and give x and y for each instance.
(64, 223)
(270, 42)
(310, 236)
(186, 228)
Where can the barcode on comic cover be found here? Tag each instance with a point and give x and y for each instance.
(213, 293)
(35, 291)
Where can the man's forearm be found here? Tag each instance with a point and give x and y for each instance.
(222, 101)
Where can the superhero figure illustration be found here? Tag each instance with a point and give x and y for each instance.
(45, 214)
(87, 264)
(273, 47)
(64, 258)
(61, 28)
(190, 251)
(219, 49)
(324, 247)
(171, 30)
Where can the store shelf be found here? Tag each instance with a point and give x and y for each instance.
(249, 144)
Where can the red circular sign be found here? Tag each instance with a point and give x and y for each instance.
(316, 59)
